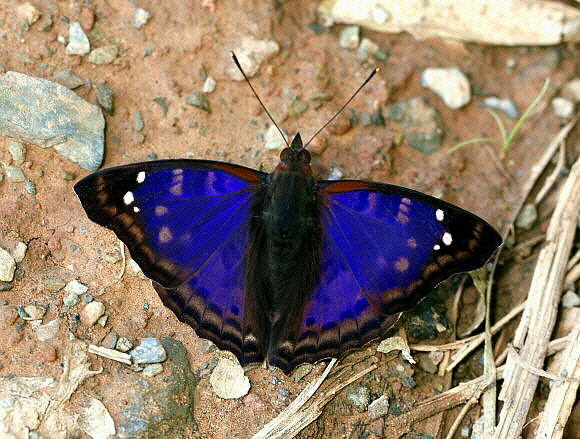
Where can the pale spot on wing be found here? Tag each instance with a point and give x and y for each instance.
(439, 215)
(406, 201)
(177, 189)
(160, 210)
(436, 247)
(128, 198)
(165, 235)
(136, 209)
(402, 218)
(403, 208)
(402, 264)
(141, 177)
(412, 243)
(447, 238)
(177, 171)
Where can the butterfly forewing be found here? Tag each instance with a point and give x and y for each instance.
(384, 248)
(186, 222)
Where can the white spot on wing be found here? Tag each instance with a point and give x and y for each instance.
(176, 189)
(436, 247)
(128, 198)
(439, 215)
(136, 209)
(141, 177)
(447, 238)
(165, 235)
(160, 210)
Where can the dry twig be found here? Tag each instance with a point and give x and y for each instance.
(537, 323)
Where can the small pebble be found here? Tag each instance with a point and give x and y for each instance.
(70, 300)
(367, 49)
(110, 340)
(198, 100)
(349, 37)
(75, 287)
(162, 102)
(571, 90)
(207, 346)
(87, 18)
(340, 125)
(506, 105)
(104, 55)
(379, 407)
(301, 371)
(7, 266)
(527, 217)
(87, 297)
(78, 42)
(68, 176)
(91, 313)
(228, 380)
(53, 284)
(69, 80)
(570, 299)
(103, 320)
(28, 12)
(35, 312)
(7, 316)
(30, 187)
(296, 108)
(334, 173)
(105, 99)
(449, 83)
(209, 85)
(138, 123)
(14, 174)
(140, 18)
(48, 331)
(359, 397)
(17, 151)
(562, 107)
(149, 351)
(152, 369)
(273, 138)
(123, 344)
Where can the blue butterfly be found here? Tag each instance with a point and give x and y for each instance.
(282, 266)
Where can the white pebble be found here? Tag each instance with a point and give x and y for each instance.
(228, 380)
(7, 266)
(91, 313)
(449, 83)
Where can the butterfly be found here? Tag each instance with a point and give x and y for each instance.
(283, 267)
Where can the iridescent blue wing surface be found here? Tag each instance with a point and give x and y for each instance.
(384, 248)
(186, 223)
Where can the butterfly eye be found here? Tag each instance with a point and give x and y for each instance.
(304, 156)
(286, 155)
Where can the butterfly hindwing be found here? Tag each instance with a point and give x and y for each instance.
(384, 248)
(186, 223)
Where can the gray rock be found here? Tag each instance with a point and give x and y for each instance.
(17, 151)
(61, 119)
(53, 284)
(379, 407)
(571, 90)
(199, 100)
(421, 124)
(570, 299)
(296, 108)
(505, 105)
(30, 187)
(427, 364)
(69, 80)
(349, 37)
(563, 107)
(70, 300)
(367, 48)
(228, 380)
(251, 54)
(104, 55)
(334, 173)
(152, 369)
(7, 266)
(78, 43)
(105, 99)
(140, 18)
(359, 397)
(449, 83)
(157, 411)
(149, 351)
(527, 217)
(19, 252)
(14, 174)
(301, 371)
(138, 123)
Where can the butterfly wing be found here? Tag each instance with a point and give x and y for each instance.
(384, 248)
(186, 223)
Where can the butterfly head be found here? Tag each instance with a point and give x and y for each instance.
(295, 157)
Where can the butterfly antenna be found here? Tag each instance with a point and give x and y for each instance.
(373, 73)
(258, 97)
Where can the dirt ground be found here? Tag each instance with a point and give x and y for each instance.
(184, 38)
